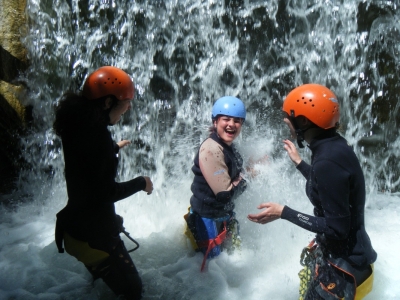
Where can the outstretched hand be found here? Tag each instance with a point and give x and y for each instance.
(123, 143)
(292, 152)
(272, 212)
(149, 185)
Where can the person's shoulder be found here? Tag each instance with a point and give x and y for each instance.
(341, 146)
(336, 151)
(210, 145)
(334, 145)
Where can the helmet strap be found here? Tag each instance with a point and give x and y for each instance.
(300, 137)
(299, 132)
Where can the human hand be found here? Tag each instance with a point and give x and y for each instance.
(292, 152)
(236, 181)
(149, 185)
(272, 212)
(123, 143)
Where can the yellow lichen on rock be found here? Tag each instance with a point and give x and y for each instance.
(12, 27)
(10, 93)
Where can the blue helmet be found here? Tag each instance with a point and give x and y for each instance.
(229, 106)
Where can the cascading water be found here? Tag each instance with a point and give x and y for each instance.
(183, 55)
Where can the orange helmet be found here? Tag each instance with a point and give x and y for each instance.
(315, 102)
(107, 81)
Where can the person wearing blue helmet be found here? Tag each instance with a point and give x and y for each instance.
(218, 180)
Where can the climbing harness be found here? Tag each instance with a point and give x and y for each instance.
(228, 234)
(324, 277)
(211, 243)
(233, 241)
(321, 279)
(308, 262)
(190, 229)
(132, 239)
(122, 229)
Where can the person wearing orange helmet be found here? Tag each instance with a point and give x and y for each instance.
(88, 226)
(338, 263)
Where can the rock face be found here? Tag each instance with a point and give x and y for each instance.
(12, 114)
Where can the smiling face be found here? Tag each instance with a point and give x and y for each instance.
(118, 110)
(228, 128)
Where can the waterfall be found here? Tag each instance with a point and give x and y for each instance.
(182, 56)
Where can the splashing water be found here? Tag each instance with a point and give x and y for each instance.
(183, 55)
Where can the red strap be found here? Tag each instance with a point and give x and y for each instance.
(210, 244)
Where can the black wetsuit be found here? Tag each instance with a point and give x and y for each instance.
(91, 163)
(336, 188)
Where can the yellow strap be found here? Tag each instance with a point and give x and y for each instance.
(190, 236)
(188, 232)
(366, 287)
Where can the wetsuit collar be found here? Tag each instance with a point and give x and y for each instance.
(214, 135)
(322, 138)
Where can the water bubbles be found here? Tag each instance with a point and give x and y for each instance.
(150, 36)
(140, 89)
(363, 37)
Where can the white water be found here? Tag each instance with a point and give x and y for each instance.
(198, 62)
(265, 268)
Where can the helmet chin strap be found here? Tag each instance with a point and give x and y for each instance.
(300, 137)
(299, 132)
(107, 113)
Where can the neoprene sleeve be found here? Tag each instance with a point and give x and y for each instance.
(305, 221)
(128, 188)
(226, 196)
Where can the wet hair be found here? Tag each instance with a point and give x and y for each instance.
(75, 111)
(212, 128)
